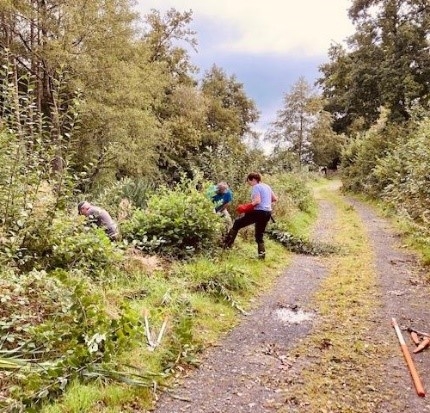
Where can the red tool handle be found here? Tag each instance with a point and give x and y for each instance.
(415, 377)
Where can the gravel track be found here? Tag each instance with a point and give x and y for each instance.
(247, 371)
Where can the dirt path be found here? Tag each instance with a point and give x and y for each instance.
(248, 371)
(404, 296)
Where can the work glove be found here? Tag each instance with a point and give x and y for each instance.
(245, 208)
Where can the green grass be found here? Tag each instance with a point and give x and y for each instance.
(98, 397)
(301, 223)
(197, 319)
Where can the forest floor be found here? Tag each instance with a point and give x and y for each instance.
(322, 339)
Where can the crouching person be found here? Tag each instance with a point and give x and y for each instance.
(257, 212)
(100, 217)
(221, 199)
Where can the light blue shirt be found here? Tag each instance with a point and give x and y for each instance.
(265, 193)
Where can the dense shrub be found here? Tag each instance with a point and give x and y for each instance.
(359, 159)
(176, 222)
(292, 190)
(67, 242)
(74, 244)
(391, 162)
(406, 172)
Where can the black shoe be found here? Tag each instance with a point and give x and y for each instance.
(261, 251)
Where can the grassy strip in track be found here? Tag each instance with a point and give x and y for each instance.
(336, 367)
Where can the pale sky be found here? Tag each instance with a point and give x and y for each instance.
(266, 44)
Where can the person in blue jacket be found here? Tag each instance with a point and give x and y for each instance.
(222, 197)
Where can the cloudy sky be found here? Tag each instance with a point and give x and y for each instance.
(266, 44)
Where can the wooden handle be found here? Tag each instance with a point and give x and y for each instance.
(415, 377)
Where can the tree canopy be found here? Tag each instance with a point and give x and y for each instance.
(386, 63)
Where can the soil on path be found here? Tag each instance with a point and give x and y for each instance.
(247, 371)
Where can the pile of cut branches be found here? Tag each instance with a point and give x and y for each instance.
(300, 245)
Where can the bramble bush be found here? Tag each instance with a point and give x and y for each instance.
(177, 222)
(406, 171)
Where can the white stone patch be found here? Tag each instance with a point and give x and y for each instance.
(288, 315)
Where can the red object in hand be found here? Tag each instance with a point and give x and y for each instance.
(244, 208)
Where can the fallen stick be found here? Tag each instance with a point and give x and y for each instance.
(160, 334)
(420, 333)
(415, 377)
(424, 344)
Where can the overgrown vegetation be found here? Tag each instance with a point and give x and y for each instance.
(175, 222)
(116, 116)
(88, 307)
(392, 165)
(54, 329)
(76, 305)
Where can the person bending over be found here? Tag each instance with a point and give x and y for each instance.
(100, 217)
(222, 199)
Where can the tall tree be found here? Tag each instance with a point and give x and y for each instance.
(387, 64)
(181, 108)
(47, 38)
(325, 144)
(230, 118)
(167, 37)
(119, 132)
(90, 50)
(351, 85)
(121, 85)
(232, 111)
(292, 127)
(180, 147)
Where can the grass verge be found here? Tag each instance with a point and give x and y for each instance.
(201, 301)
